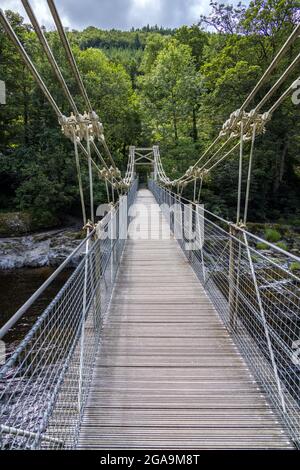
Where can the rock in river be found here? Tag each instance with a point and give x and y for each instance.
(36, 250)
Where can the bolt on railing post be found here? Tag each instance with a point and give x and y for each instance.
(84, 306)
(265, 325)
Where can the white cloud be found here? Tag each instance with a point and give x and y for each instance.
(198, 8)
(144, 12)
(121, 14)
(40, 9)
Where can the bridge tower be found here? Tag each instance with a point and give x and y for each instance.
(145, 156)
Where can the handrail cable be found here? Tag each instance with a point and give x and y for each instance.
(19, 313)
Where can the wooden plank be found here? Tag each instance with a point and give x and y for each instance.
(168, 374)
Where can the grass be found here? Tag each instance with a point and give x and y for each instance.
(262, 246)
(295, 266)
(272, 235)
(282, 245)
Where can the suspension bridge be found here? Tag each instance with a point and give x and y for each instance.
(173, 331)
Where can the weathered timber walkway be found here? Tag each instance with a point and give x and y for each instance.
(168, 374)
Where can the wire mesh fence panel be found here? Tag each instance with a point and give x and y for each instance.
(257, 296)
(44, 383)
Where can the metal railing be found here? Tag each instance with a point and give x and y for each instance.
(257, 295)
(44, 383)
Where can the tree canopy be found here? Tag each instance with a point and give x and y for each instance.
(153, 85)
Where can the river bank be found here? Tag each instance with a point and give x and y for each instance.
(25, 263)
(48, 248)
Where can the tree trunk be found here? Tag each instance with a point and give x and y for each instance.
(280, 167)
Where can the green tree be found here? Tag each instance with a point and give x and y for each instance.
(14, 116)
(155, 44)
(229, 75)
(147, 85)
(170, 89)
(111, 93)
(194, 37)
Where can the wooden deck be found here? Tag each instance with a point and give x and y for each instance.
(168, 374)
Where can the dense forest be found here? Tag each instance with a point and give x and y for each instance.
(153, 85)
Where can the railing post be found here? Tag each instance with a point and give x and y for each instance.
(188, 227)
(113, 235)
(200, 231)
(98, 306)
(234, 272)
(265, 325)
(84, 306)
(232, 276)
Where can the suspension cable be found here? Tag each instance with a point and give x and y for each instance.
(69, 52)
(249, 174)
(79, 179)
(278, 83)
(216, 153)
(283, 96)
(100, 156)
(224, 156)
(14, 38)
(207, 150)
(74, 67)
(42, 85)
(273, 64)
(76, 142)
(267, 73)
(238, 209)
(49, 54)
(195, 188)
(200, 189)
(88, 148)
(108, 152)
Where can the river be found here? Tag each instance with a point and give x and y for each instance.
(16, 286)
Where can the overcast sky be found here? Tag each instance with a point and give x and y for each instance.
(120, 14)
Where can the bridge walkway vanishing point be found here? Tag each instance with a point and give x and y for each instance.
(168, 374)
